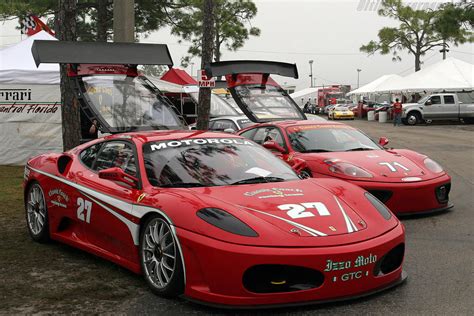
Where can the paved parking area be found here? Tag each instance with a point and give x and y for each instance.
(440, 249)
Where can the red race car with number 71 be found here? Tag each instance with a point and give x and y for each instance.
(210, 216)
(406, 181)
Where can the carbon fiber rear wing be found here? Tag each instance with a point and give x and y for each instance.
(234, 67)
(100, 53)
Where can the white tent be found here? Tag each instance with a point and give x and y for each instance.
(373, 86)
(450, 74)
(166, 86)
(302, 96)
(18, 67)
(30, 104)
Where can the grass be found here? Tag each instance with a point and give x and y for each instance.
(52, 278)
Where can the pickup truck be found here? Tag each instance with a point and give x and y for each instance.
(440, 106)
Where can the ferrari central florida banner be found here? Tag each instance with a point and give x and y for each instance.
(30, 122)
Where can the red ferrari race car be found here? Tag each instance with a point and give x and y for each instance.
(406, 181)
(211, 216)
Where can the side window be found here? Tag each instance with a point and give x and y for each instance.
(117, 154)
(448, 99)
(273, 133)
(436, 99)
(249, 134)
(89, 154)
(259, 136)
(221, 125)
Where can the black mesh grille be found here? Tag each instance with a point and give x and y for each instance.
(391, 261)
(442, 193)
(273, 278)
(382, 195)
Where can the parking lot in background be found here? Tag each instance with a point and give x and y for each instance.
(54, 278)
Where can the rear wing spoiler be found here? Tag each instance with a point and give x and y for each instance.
(234, 67)
(100, 53)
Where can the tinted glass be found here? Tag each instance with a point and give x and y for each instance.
(221, 125)
(89, 154)
(128, 103)
(267, 102)
(314, 138)
(211, 162)
(435, 99)
(117, 154)
(449, 99)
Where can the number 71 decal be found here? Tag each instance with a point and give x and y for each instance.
(393, 166)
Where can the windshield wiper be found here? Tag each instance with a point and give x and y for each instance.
(258, 180)
(184, 185)
(360, 149)
(317, 151)
(159, 126)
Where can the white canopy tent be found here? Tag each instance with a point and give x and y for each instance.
(373, 86)
(302, 96)
(450, 74)
(30, 104)
(166, 86)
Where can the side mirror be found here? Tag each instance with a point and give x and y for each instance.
(383, 141)
(274, 146)
(229, 130)
(118, 175)
(428, 102)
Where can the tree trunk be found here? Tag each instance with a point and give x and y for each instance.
(102, 20)
(417, 61)
(204, 104)
(217, 43)
(71, 126)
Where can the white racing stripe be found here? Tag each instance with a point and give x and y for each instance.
(350, 225)
(129, 208)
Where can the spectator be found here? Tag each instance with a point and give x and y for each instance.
(397, 113)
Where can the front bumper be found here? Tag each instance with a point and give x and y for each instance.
(410, 198)
(215, 270)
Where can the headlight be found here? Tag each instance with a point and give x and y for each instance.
(432, 165)
(383, 210)
(225, 221)
(347, 169)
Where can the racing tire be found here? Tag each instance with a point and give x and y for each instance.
(413, 118)
(160, 258)
(305, 174)
(36, 213)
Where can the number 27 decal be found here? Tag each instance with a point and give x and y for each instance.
(84, 209)
(300, 210)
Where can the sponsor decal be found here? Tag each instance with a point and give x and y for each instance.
(141, 197)
(275, 193)
(360, 261)
(15, 94)
(58, 197)
(411, 179)
(30, 108)
(199, 141)
(295, 129)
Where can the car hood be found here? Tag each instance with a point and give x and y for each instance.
(294, 213)
(384, 165)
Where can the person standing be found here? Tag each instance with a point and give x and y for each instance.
(397, 109)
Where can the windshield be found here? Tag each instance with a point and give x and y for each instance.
(220, 106)
(243, 123)
(127, 103)
(328, 138)
(341, 108)
(267, 102)
(212, 162)
(424, 99)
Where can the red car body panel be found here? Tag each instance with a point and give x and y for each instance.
(412, 188)
(352, 231)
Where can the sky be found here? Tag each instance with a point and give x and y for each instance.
(329, 32)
